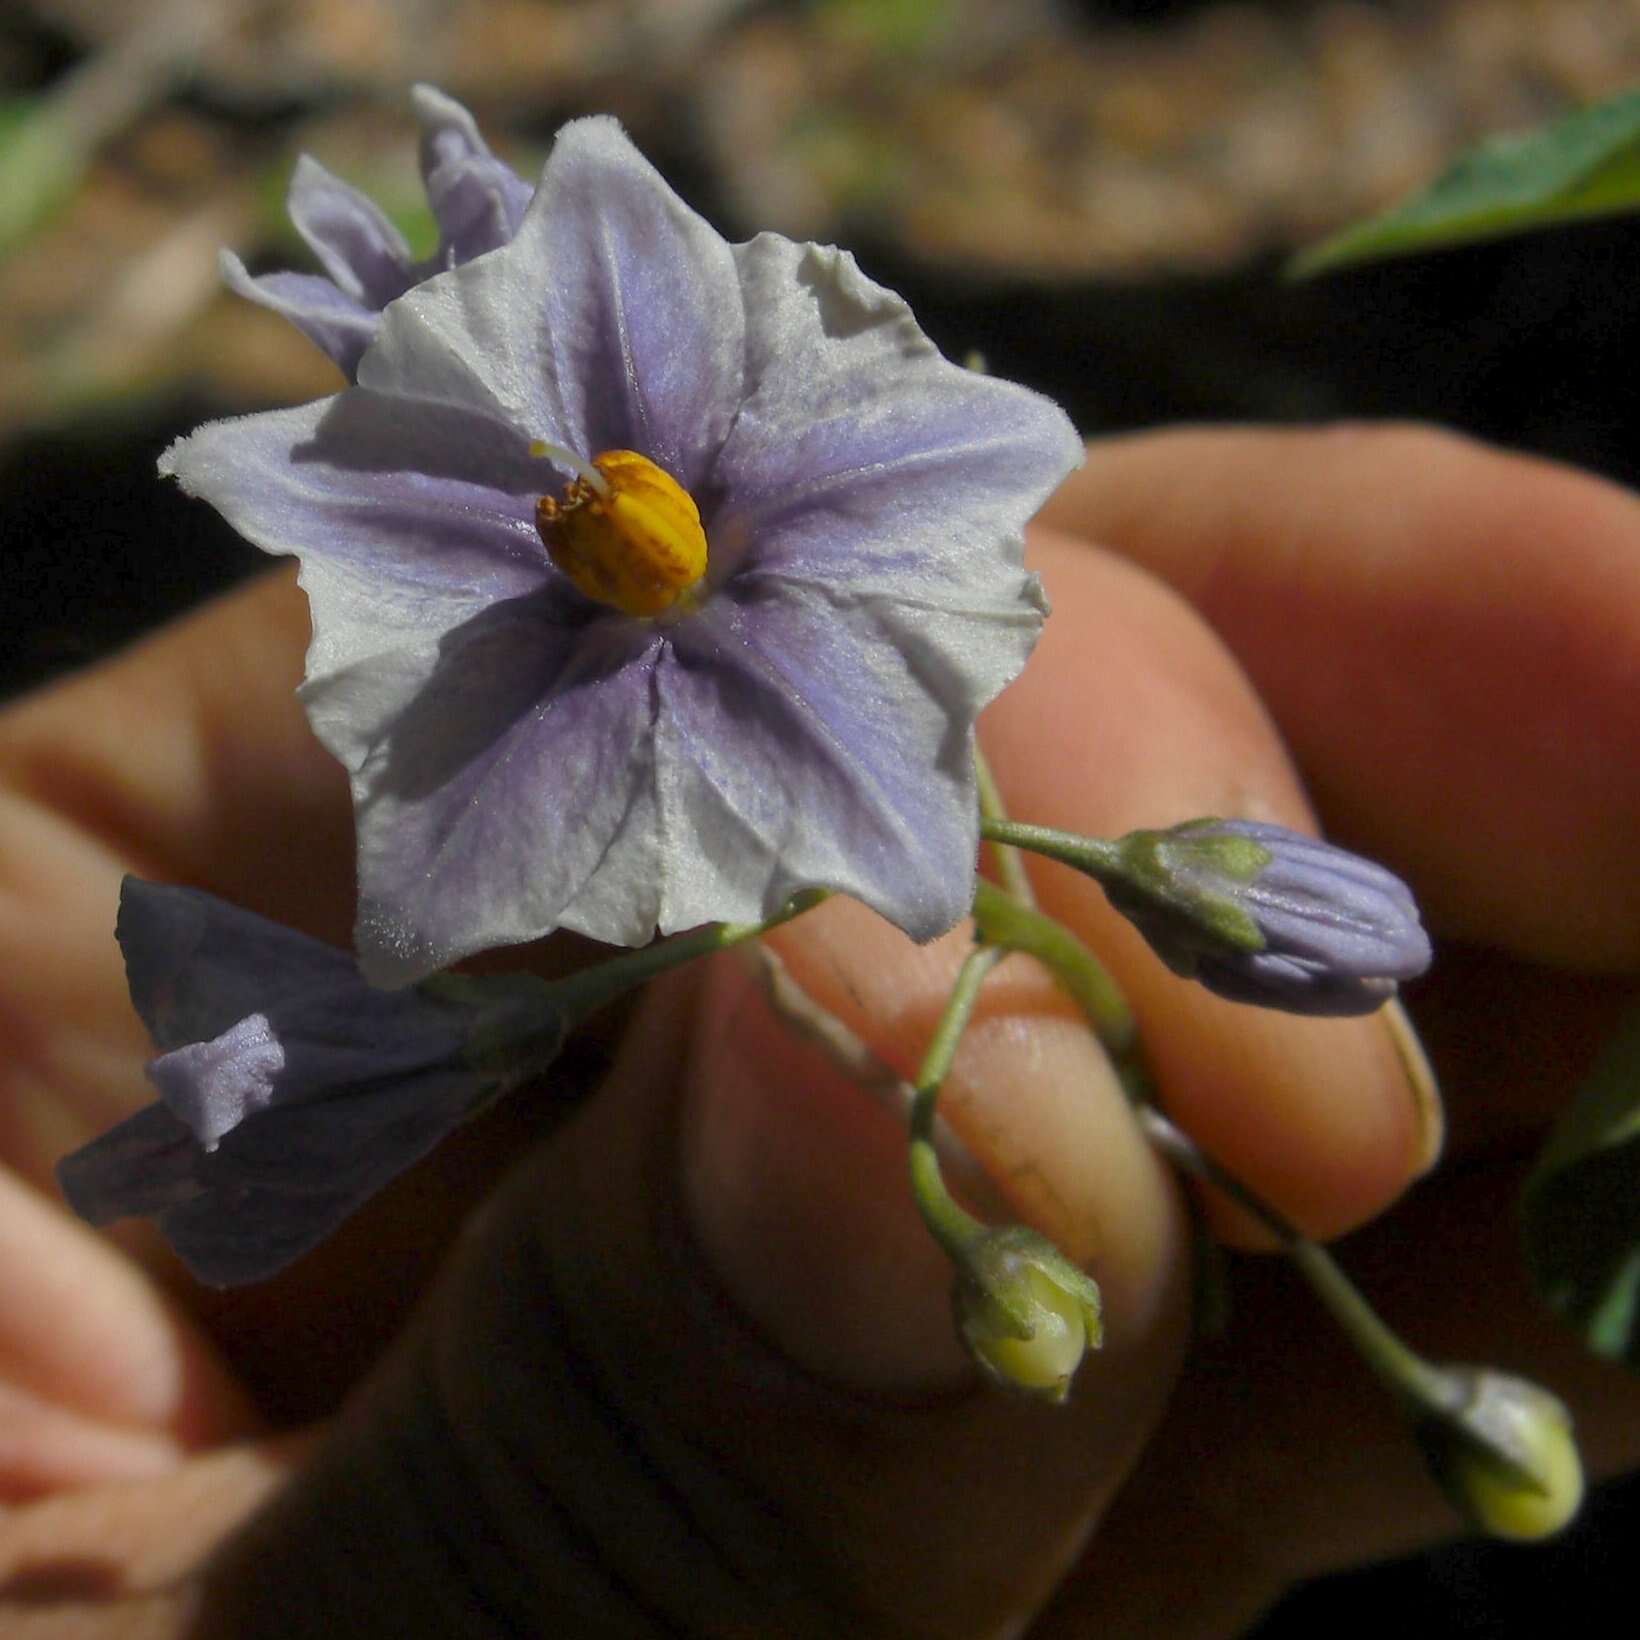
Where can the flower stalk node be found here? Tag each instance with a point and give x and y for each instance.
(627, 534)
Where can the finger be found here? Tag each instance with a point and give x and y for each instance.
(80, 1554)
(1446, 635)
(79, 1329)
(732, 1253)
(1132, 713)
(187, 758)
(1325, 1475)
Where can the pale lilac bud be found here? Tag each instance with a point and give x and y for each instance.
(1262, 914)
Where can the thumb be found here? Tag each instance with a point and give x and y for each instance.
(691, 1370)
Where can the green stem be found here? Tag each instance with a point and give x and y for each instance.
(1401, 1369)
(1010, 867)
(1002, 921)
(951, 1225)
(1093, 855)
(584, 993)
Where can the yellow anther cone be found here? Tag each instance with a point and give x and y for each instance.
(638, 546)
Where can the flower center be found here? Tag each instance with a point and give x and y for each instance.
(625, 532)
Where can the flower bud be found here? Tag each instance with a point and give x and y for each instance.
(1504, 1454)
(1026, 1313)
(1262, 914)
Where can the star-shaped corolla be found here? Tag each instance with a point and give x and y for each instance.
(290, 1090)
(476, 200)
(544, 734)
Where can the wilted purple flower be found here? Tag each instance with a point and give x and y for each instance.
(290, 1090)
(551, 717)
(1262, 914)
(476, 200)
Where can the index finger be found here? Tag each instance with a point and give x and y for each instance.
(188, 756)
(1446, 635)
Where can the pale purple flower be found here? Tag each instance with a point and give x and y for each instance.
(525, 759)
(476, 200)
(1262, 914)
(290, 1091)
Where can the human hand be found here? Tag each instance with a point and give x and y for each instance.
(692, 1369)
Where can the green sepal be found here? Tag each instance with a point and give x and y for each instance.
(1149, 881)
(519, 1029)
(1014, 1287)
(1586, 164)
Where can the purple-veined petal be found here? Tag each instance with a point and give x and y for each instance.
(336, 323)
(612, 321)
(806, 740)
(477, 201)
(197, 965)
(523, 759)
(273, 1128)
(136, 1170)
(513, 783)
(1296, 987)
(216, 985)
(1259, 913)
(354, 242)
(273, 1188)
(419, 516)
(862, 457)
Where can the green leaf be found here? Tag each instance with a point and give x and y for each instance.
(1586, 164)
(1581, 1206)
(41, 165)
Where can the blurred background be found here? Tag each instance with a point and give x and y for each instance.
(1098, 195)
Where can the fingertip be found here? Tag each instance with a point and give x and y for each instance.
(1444, 632)
(1321, 1121)
(795, 1153)
(1133, 713)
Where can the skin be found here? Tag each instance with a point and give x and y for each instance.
(690, 1370)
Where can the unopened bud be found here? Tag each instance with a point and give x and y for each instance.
(1026, 1313)
(1262, 914)
(1504, 1454)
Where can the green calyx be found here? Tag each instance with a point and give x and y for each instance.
(1026, 1313)
(1504, 1454)
(1172, 875)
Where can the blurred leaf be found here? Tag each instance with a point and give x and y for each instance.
(40, 166)
(1581, 1206)
(1586, 164)
(889, 26)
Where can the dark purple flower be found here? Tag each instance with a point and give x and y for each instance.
(476, 200)
(529, 753)
(1262, 914)
(290, 1090)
